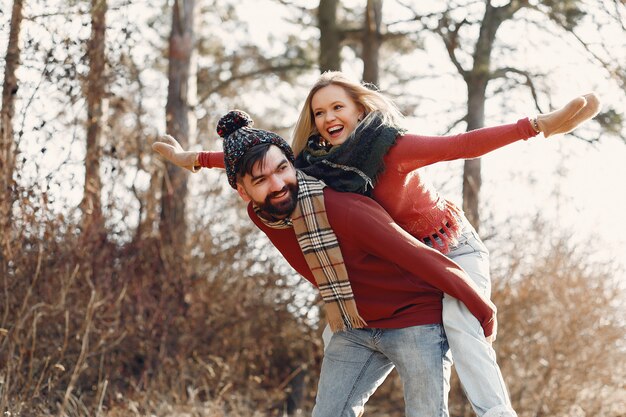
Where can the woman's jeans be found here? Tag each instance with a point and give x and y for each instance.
(474, 358)
(357, 361)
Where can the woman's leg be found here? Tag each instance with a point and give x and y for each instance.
(474, 358)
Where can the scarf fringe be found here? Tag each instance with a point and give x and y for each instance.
(350, 320)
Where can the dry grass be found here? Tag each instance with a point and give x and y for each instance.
(94, 328)
(90, 327)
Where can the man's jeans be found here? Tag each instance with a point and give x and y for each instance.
(357, 361)
(474, 358)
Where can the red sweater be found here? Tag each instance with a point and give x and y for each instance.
(397, 281)
(410, 199)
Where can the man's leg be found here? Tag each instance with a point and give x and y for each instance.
(422, 358)
(474, 358)
(351, 371)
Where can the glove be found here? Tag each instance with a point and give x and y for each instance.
(570, 116)
(171, 150)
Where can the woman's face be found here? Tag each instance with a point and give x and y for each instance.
(336, 115)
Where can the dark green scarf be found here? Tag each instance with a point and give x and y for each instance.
(353, 166)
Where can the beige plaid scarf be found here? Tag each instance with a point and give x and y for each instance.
(322, 253)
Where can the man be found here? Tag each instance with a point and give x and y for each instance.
(390, 307)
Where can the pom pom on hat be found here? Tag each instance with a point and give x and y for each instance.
(233, 121)
(239, 137)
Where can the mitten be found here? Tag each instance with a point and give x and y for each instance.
(171, 150)
(570, 116)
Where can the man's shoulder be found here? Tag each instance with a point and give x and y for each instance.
(349, 208)
(343, 200)
(346, 199)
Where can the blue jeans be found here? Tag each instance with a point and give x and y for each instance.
(474, 358)
(357, 361)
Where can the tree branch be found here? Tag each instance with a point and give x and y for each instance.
(290, 5)
(613, 72)
(454, 124)
(450, 40)
(505, 71)
(508, 10)
(619, 13)
(246, 75)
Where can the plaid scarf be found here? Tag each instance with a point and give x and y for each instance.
(321, 251)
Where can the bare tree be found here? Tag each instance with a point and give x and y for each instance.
(566, 15)
(7, 141)
(477, 77)
(181, 44)
(372, 40)
(93, 220)
(330, 36)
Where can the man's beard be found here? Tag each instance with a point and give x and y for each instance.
(283, 208)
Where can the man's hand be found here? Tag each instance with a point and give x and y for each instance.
(171, 150)
(492, 337)
(490, 327)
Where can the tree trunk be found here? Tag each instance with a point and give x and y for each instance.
(477, 80)
(91, 205)
(372, 40)
(173, 225)
(7, 141)
(330, 36)
(7, 161)
(472, 179)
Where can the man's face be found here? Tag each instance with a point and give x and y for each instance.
(273, 185)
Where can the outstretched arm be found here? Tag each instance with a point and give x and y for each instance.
(414, 151)
(170, 149)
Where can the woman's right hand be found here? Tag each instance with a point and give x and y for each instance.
(170, 149)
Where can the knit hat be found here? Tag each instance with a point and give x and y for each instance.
(239, 137)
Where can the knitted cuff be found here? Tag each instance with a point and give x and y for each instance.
(526, 128)
(204, 158)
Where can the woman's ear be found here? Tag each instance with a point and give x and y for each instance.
(363, 112)
(242, 193)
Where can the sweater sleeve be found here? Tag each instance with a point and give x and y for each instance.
(385, 239)
(415, 151)
(211, 159)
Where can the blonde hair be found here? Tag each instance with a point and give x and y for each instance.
(371, 100)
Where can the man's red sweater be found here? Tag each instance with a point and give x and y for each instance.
(397, 281)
